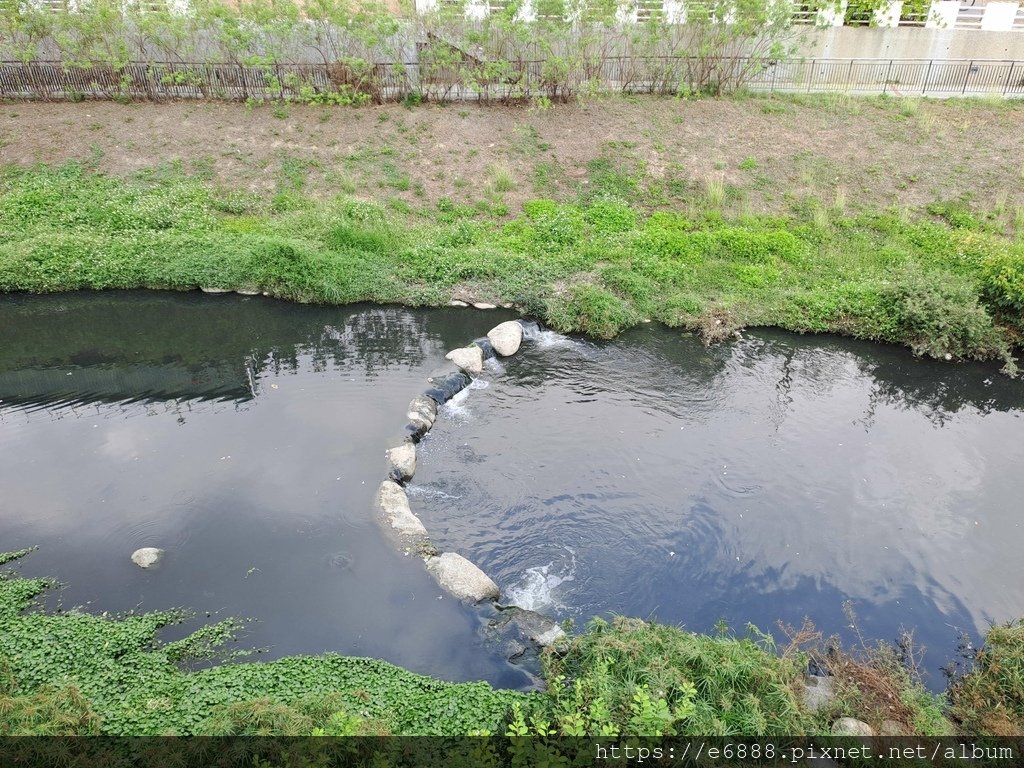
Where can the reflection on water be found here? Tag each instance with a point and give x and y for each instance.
(245, 437)
(768, 479)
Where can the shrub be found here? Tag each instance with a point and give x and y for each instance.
(630, 672)
(1002, 284)
(989, 698)
(937, 314)
(757, 247)
(956, 213)
(608, 216)
(360, 239)
(589, 309)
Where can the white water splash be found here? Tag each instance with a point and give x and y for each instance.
(458, 406)
(423, 490)
(536, 590)
(545, 339)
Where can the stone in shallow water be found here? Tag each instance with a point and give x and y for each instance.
(463, 579)
(506, 338)
(147, 556)
(422, 413)
(447, 387)
(403, 460)
(484, 305)
(457, 303)
(215, 290)
(469, 359)
(394, 505)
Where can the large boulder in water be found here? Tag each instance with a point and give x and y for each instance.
(463, 579)
(506, 338)
(403, 461)
(469, 359)
(394, 505)
(147, 556)
(422, 414)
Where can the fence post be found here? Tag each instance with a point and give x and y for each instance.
(927, 77)
(885, 83)
(810, 75)
(967, 75)
(1009, 77)
(849, 77)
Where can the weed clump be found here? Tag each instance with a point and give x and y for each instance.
(989, 697)
(629, 673)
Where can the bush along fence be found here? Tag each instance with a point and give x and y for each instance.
(453, 572)
(505, 83)
(346, 52)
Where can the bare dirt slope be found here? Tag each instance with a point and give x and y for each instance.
(759, 154)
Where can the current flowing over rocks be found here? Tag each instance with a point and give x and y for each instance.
(454, 573)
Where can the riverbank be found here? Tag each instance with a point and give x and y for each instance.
(72, 672)
(946, 282)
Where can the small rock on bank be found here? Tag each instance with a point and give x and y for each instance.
(469, 359)
(147, 556)
(506, 338)
(849, 726)
(818, 692)
(463, 579)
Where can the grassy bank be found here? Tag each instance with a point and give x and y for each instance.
(73, 672)
(947, 284)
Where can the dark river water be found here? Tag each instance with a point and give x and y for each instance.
(769, 479)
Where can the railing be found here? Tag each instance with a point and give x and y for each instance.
(515, 80)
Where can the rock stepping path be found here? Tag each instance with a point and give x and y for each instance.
(453, 572)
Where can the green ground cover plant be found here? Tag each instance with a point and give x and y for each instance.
(597, 262)
(77, 673)
(70, 672)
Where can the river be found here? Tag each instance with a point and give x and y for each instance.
(769, 479)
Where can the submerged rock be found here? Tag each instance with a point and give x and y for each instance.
(403, 461)
(486, 347)
(246, 292)
(147, 556)
(469, 359)
(506, 338)
(447, 387)
(529, 625)
(520, 635)
(463, 579)
(394, 505)
(215, 290)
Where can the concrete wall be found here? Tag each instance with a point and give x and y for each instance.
(913, 43)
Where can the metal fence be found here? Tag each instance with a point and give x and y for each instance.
(473, 80)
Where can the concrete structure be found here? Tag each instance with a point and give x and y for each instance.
(914, 43)
(986, 15)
